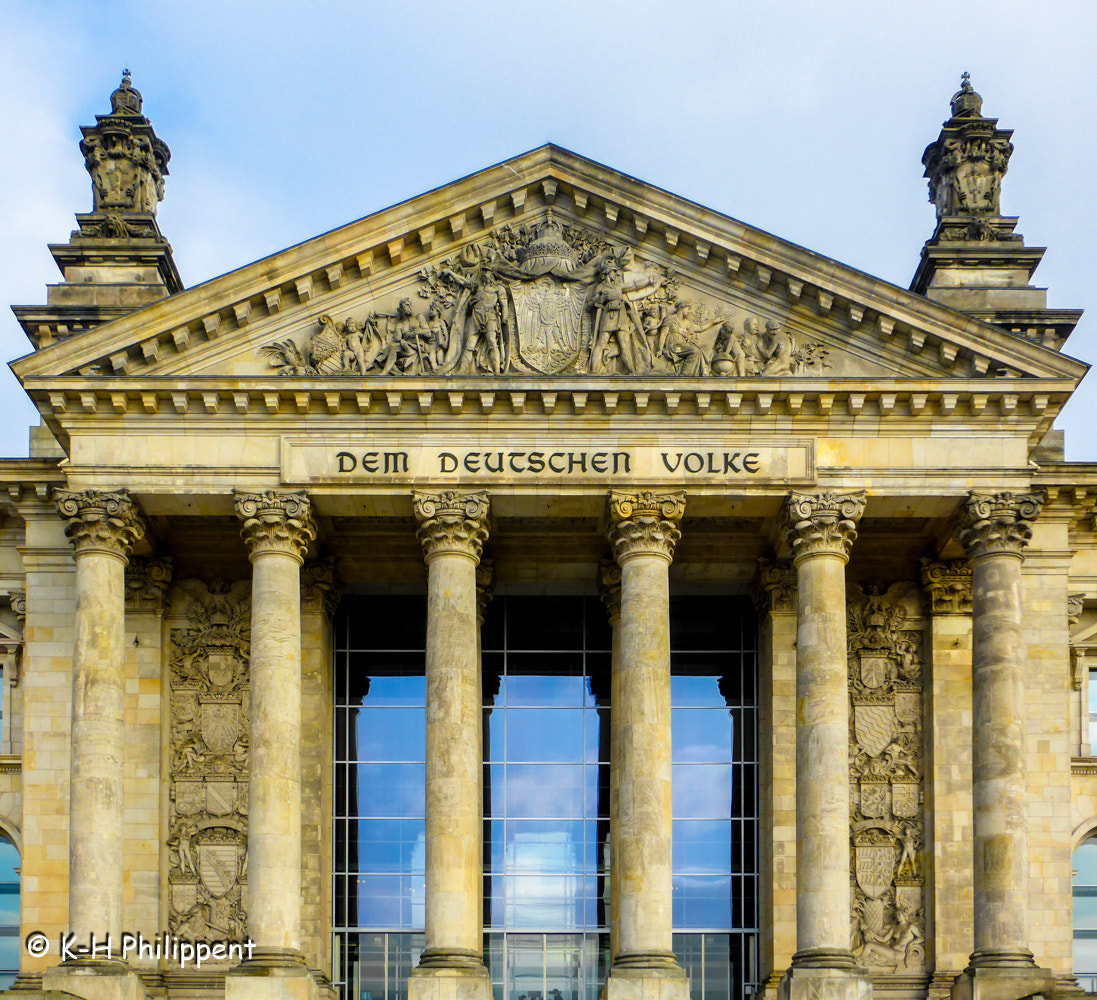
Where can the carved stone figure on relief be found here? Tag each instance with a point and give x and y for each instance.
(618, 341)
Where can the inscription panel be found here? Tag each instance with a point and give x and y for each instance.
(522, 460)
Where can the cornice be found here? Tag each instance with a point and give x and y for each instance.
(625, 208)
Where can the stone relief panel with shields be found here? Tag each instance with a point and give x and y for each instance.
(887, 924)
(547, 298)
(208, 811)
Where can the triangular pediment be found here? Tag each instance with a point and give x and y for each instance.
(546, 266)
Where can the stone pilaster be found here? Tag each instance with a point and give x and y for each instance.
(642, 535)
(820, 529)
(609, 590)
(774, 596)
(994, 530)
(103, 528)
(277, 529)
(948, 759)
(453, 527)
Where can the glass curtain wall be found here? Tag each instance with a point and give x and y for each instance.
(546, 796)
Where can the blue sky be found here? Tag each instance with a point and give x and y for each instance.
(805, 119)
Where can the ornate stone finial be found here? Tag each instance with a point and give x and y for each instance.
(965, 102)
(997, 523)
(125, 100)
(609, 588)
(644, 523)
(320, 591)
(485, 573)
(452, 522)
(275, 521)
(101, 521)
(966, 164)
(147, 584)
(948, 585)
(774, 588)
(822, 522)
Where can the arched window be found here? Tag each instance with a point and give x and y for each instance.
(9, 912)
(1085, 914)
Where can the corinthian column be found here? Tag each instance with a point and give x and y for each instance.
(103, 528)
(453, 528)
(643, 532)
(820, 529)
(994, 529)
(277, 530)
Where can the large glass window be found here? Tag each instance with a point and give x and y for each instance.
(1085, 915)
(9, 913)
(546, 663)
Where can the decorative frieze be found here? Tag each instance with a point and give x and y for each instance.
(823, 522)
(948, 585)
(993, 523)
(101, 521)
(886, 774)
(208, 811)
(276, 520)
(548, 298)
(644, 523)
(452, 521)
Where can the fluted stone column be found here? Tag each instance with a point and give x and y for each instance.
(643, 533)
(277, 529)
(994, 530)
(103, 528)
(820, 529)
(453, 527)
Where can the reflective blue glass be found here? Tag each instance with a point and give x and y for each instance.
(548, 901)
(390, 845)
(702, 847)
(1085, 863)
(9, 861)
(391, 734)
(702, 901)
(385, 691)
(395, 901)
(696, 691)
(396, 790)
(702, 791)
(700, 735)
(597, 736)
(547, 790)
(544, 688)
(545, 734)
(9, 907)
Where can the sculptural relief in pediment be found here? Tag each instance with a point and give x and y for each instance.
(547, 298)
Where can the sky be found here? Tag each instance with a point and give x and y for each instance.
(805, 119)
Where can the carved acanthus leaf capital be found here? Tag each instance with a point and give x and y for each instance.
(774, 588)
(320, 591)
(452, 522)
(644, 523)
(823, 523)
(997, 523)
(609, 588)
(147, 584)
(101, 521)
(948, 585)
(276, 522)
(485, 574)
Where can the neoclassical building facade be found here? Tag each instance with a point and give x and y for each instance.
(544, 588)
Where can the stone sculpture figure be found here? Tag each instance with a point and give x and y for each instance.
(677, 341)
(616, 325)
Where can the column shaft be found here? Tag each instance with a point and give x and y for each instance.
(821, 530)
(453, 528)
(643, 537)
(277, 530)
(995, 530)
(103, 528)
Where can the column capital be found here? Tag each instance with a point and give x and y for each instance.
(818, 523)
(948, 584)
(773, 590)
(320, 591)
(147, 584)
(101, 521)
(485, 575)
(609, 588)
(276, 522)
(452, 522)
(644, 523)
(997, 523)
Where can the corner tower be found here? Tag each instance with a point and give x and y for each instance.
(117, 260)
(975, 261)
